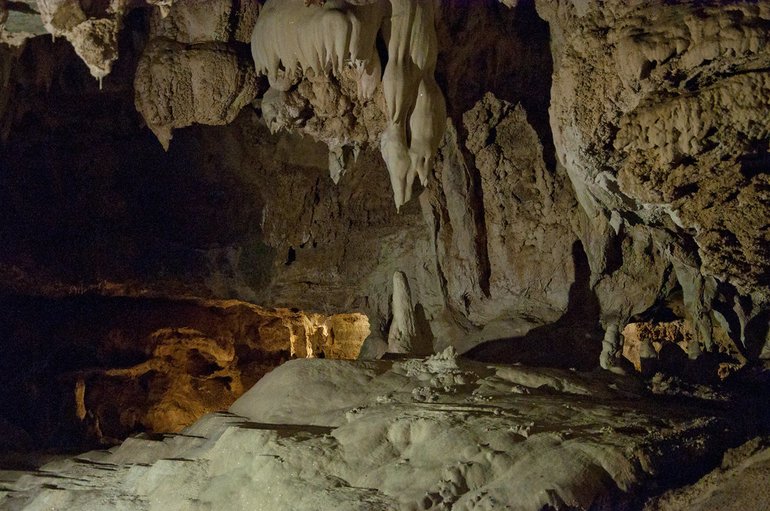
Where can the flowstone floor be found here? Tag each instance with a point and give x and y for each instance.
(434, 433)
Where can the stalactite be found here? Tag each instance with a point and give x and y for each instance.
(291, 39)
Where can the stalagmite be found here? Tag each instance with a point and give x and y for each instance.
(402, 333)
(698, 297)
(612, 346)
(647, 357)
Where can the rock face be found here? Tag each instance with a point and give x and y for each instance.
(492, 274)
(108, 367)
(659, 115)
(593, 190)
(527, 224)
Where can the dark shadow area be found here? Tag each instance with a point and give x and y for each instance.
(488, 47)
(87, 193)
(573, 341)
(756, 164)
(424, 343)
(667, 308)
(757, 334)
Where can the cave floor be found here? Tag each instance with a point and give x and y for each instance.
(434, 433)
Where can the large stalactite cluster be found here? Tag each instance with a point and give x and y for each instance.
(291, 40)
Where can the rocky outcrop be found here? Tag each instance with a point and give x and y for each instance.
(195, 68)
(497, 206)
(659, 116)
(105, 368)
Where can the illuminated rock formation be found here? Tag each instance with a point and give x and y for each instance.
(152, 365)
(291, 40)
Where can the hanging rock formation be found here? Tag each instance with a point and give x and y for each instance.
(94, 37)
(194, 68)
(292, 40)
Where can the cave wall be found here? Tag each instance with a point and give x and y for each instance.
(238, 212)
(96, 368)
(599, 163)
(659, 115)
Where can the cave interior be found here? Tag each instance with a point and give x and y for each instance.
(384, 254)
